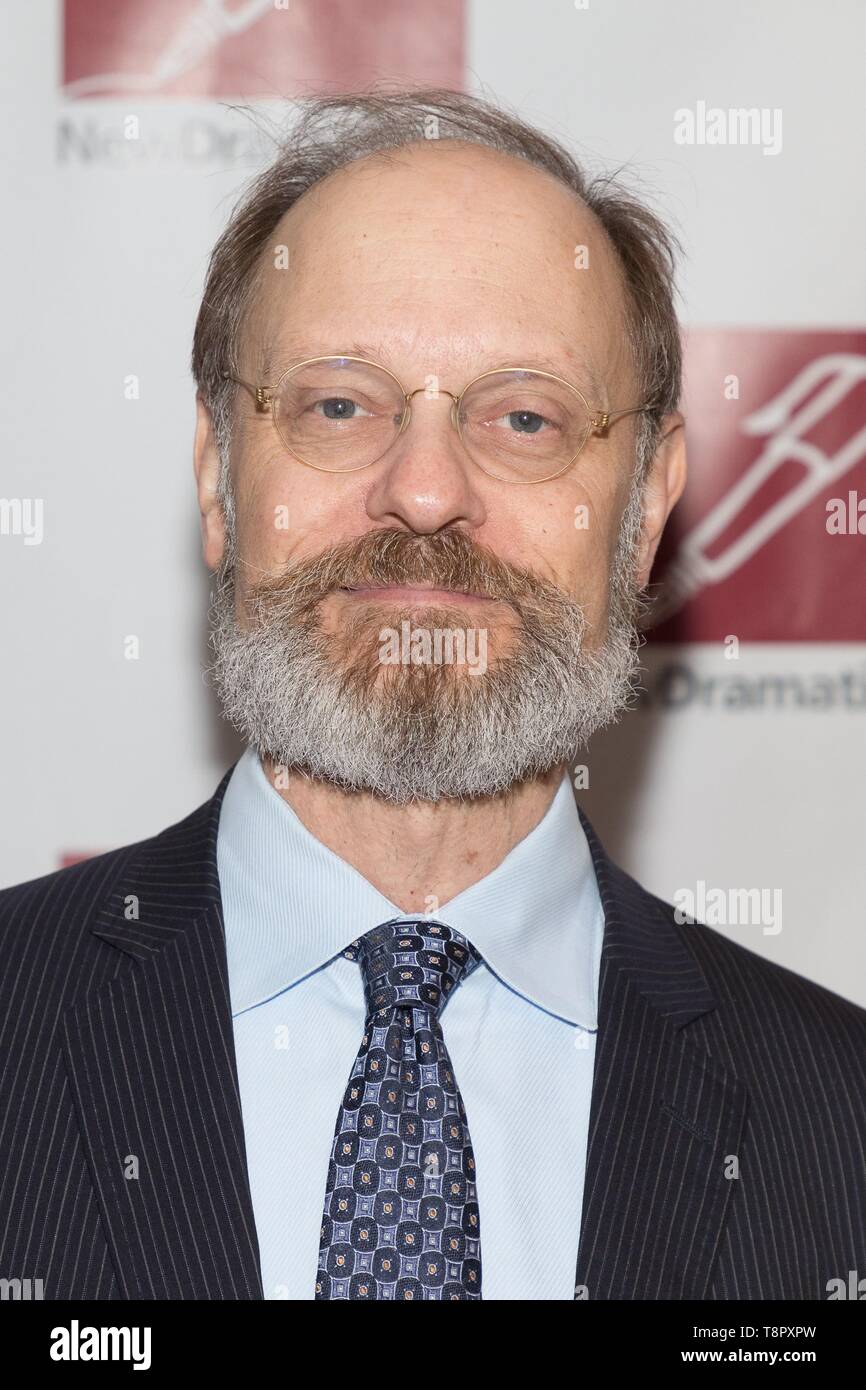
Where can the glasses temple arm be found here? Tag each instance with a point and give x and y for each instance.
(602, 421)
(260, 394)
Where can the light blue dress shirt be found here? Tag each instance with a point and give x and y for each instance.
(520, 1031)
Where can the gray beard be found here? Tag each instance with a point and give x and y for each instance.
(428, 732)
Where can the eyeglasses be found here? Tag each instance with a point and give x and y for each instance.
(341, 414)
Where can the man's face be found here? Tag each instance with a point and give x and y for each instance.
(441, 264)
(448, 262)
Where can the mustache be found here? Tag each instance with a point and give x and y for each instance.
(390, 556)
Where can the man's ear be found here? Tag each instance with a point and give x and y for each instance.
(206, 463)
(663, 488)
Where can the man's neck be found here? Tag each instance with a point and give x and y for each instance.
(422, 855)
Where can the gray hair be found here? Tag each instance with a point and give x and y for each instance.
(334, 131)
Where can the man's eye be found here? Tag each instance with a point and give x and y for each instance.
(339, 408)
(527, 422)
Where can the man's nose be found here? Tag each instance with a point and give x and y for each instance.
(427, 480)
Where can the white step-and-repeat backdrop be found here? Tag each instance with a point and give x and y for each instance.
(737, 787)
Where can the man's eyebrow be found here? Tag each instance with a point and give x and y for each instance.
(277, 358)
(580, 372)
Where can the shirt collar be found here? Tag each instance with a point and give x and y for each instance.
(291, 904)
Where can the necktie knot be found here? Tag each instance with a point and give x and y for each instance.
(413, 961)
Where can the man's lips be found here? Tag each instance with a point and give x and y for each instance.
(415, 593)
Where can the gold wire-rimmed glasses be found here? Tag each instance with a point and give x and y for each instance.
(339, 414)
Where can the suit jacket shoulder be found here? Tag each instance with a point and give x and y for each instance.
(48, 920)
(745, 977)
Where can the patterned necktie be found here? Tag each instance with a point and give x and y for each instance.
(401, 1210)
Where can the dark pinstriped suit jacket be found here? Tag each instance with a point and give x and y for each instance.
(117, 1041)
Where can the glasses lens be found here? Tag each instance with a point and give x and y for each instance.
(523, 426)
(338, 414)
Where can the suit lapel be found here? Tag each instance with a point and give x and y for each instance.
(664, 1114)
(152, 1069)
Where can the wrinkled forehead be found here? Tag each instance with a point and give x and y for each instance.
(442, 258)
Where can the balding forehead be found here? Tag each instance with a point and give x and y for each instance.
(354, 247)
(278, 353)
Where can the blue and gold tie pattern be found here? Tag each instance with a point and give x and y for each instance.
(401, 1209)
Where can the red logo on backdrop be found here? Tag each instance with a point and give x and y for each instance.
(748, 550)
(256, 48)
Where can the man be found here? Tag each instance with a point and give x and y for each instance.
(381, 1020)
